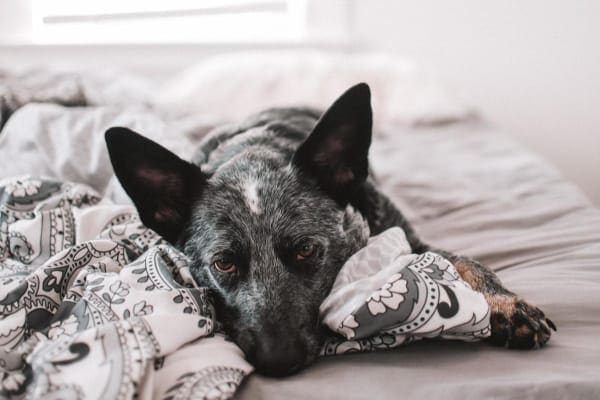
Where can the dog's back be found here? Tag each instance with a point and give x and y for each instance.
(278, 130)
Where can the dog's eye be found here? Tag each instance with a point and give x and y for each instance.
(305, 250)
(225, 265)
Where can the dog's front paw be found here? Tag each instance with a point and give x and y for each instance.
(517, 324)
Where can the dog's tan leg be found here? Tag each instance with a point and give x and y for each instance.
(515, 323)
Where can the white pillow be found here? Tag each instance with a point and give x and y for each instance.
(231, 86)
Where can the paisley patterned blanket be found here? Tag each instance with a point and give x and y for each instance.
(93, 305)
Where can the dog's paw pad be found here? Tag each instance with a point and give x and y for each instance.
(517, 324)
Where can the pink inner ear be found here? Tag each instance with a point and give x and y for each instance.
(343, 175)
(165, 215)
(334, 145)
(166, 188)
(156, 178)
(331, 151)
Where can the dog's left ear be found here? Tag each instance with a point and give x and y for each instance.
(336, 152)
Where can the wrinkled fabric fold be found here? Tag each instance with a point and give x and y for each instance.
(385, 296)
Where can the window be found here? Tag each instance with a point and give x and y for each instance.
(183, 21)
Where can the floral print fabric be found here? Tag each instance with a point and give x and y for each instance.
(93, 305)
(385, 296)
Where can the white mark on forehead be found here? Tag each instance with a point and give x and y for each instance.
(251, 196)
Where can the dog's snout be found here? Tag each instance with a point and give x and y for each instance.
(277, 356)
(278, 339)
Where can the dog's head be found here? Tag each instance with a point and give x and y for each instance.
(268, 234)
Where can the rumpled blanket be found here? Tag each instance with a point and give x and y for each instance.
(385, 296)
(93, 305)
(68, 87)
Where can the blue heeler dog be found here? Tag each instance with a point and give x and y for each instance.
(270, 209)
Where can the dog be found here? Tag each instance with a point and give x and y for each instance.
(269, 210)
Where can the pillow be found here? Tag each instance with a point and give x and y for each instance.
(231, 86)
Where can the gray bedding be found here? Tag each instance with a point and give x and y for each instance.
(466, 188)
(473, 191)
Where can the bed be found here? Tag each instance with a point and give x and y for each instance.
(465, 185)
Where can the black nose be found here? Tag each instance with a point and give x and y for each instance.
(278, 356)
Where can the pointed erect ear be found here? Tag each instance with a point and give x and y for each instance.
(336, 152)
(161, 185)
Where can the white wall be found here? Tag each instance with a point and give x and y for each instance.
(15, 21)
(533, 66)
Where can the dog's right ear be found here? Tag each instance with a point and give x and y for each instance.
(161, 185)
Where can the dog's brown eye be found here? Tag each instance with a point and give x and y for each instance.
(225, 265)
(304, 251)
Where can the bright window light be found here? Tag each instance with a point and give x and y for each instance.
(168, 21)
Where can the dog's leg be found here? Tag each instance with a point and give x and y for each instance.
(515, 323)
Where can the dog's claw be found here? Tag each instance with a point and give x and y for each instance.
(545, 327)
(551, 324)
(518, 325)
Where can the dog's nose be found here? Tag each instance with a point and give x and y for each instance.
(278, 357)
